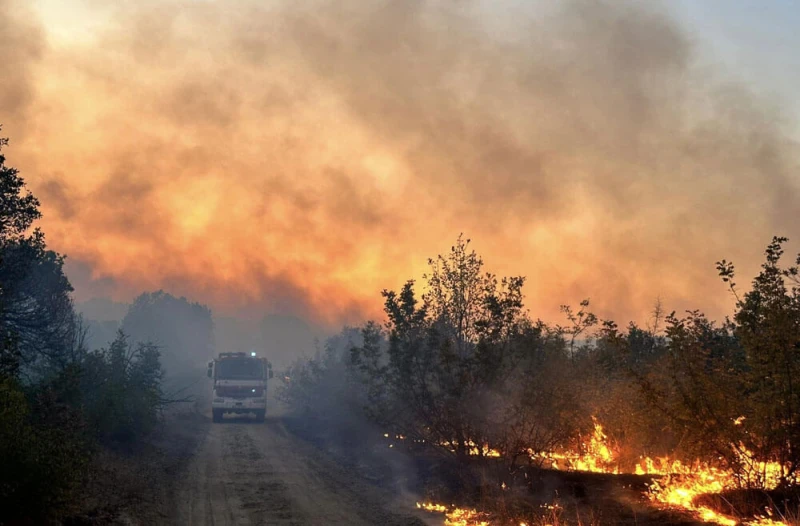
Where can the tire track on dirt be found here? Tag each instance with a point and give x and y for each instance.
(263, 496)
(245, 473)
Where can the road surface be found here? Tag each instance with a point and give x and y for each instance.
(244, 473)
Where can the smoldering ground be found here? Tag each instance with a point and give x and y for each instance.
(303, 156)
(325, 407)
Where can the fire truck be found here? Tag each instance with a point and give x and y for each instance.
(240, 384)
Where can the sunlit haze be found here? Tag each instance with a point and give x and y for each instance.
(298, 157)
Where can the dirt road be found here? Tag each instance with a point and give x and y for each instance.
(247, 473)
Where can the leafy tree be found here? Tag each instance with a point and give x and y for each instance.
(620, 362)
(699, 384)
(121, 388)
(18, 207)
(39, 327)
(55, 398)
(581, 322)
(767, 325)
(536, 406)
(43, 449)
(730, 390)
(37, 306)
(463, 366)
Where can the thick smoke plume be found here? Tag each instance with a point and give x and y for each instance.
(301, 156)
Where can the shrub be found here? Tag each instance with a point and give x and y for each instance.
(44, 454)
(121, 389)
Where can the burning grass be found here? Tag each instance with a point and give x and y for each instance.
(455, 516)
(674, 485)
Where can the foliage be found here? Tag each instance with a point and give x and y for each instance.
(767, 326)
(18, 207)
(613, 373)
(323, 391)
(41, 440)
(465, 365)
(37, 307)
(56, 399)
(464, 370)
(121, 389)
(730, 389)
(40, 330)
(43, 450)
(697, 384)
(537, 407)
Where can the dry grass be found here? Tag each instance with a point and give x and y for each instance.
(135, 486)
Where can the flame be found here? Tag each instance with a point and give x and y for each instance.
(682, 484)
(679, 491)
(596, 455)
(456, 516)
(474, 449)
(430, 506)
(678, 487)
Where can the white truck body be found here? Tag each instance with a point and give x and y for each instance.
(240, 384)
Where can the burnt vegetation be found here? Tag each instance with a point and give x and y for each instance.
(462, 376)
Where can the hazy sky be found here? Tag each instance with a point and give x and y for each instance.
(300, 156)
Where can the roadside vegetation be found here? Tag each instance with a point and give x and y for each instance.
(65, 410)
(462, 375)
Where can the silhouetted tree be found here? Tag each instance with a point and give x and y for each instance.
(767, 325)
(731, 389)
(699, 384)
(122, 389)
(40, 330)
(183, 330)
(464, 366)
(41, 435)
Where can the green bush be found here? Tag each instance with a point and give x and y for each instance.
(121, 389)
(57, 400)
(44, 454)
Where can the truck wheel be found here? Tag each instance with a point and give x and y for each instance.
(217, 415)
(260, 416)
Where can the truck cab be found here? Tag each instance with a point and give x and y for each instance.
(240, 384)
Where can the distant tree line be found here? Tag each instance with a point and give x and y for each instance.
(463, 365)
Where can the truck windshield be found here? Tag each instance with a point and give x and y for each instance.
(241, 368)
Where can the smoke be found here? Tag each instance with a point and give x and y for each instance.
(22, 45)
(299, 157)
